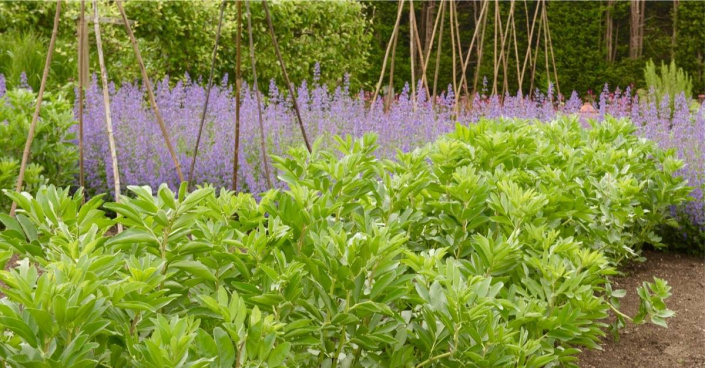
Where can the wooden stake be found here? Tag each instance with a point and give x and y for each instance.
(463, 77)
(480, 48)
(208, 94)
(502, 55)
(438, 52)
(482, 18)
(460, 52)
(528, 58)
(286, 76)
(497, 20)
(536, 55)
(452, 45)
(150, 91)
(390, 91)
(238, 85)
(259, 101)
(430, 46)
(516, 50)
(106, 105)
(38, 106)
(545, 45)
(389, 48)
(82, 80)
(550, 48)
(424, 61)
(413, 56)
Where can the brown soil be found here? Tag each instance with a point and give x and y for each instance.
(682, 344)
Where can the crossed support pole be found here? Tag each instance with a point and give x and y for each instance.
(238, 84)
(83, 69)
(415, 46)
(38, 107)
(82, 80)
(503, 33)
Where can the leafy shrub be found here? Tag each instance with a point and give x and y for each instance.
(53, 156)
(492, 247)
(177, 38)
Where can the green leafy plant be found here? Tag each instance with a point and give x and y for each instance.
(491, 247)
(670, 81)
(53, 158)
(26, 53)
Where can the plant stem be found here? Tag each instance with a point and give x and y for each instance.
(434, 358)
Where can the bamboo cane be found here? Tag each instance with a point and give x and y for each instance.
(257, 95)
(536, 54)
(483, 18)
(550, 48)
(238, 85)
(286, 76)
(452, 45)
(516, 50)
(423, 60)
(503, 55)
(460, 52)
(411, 50)
(438, 52)
(463, 77)
(497, 19)
(426, 58)
(389, 48)
(38, 107)
(390, 91)
(208, 94)
(480, 50)
(528, 58)
(545, 44)
(82, 79)
(150, 91)
(106, 105)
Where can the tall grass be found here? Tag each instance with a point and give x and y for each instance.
(26, 53)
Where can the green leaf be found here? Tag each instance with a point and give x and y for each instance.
(195, 268)
(278, 355)
(226, 351)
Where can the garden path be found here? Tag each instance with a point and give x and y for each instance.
(682, 344)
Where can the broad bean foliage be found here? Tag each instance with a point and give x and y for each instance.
(492, 247)
(53, 155)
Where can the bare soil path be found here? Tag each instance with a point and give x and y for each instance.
(682, 344)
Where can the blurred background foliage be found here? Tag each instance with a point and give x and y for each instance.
(345, 36)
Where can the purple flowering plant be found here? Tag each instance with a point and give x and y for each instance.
(410, 122)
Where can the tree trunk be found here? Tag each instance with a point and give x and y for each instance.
(636, 31)
(609, 30)
(674, 38)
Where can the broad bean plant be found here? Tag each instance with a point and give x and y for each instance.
(492, 247)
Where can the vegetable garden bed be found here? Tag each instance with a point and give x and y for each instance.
(681, 345)
(492, 247)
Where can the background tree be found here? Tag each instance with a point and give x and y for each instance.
(595, 42)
